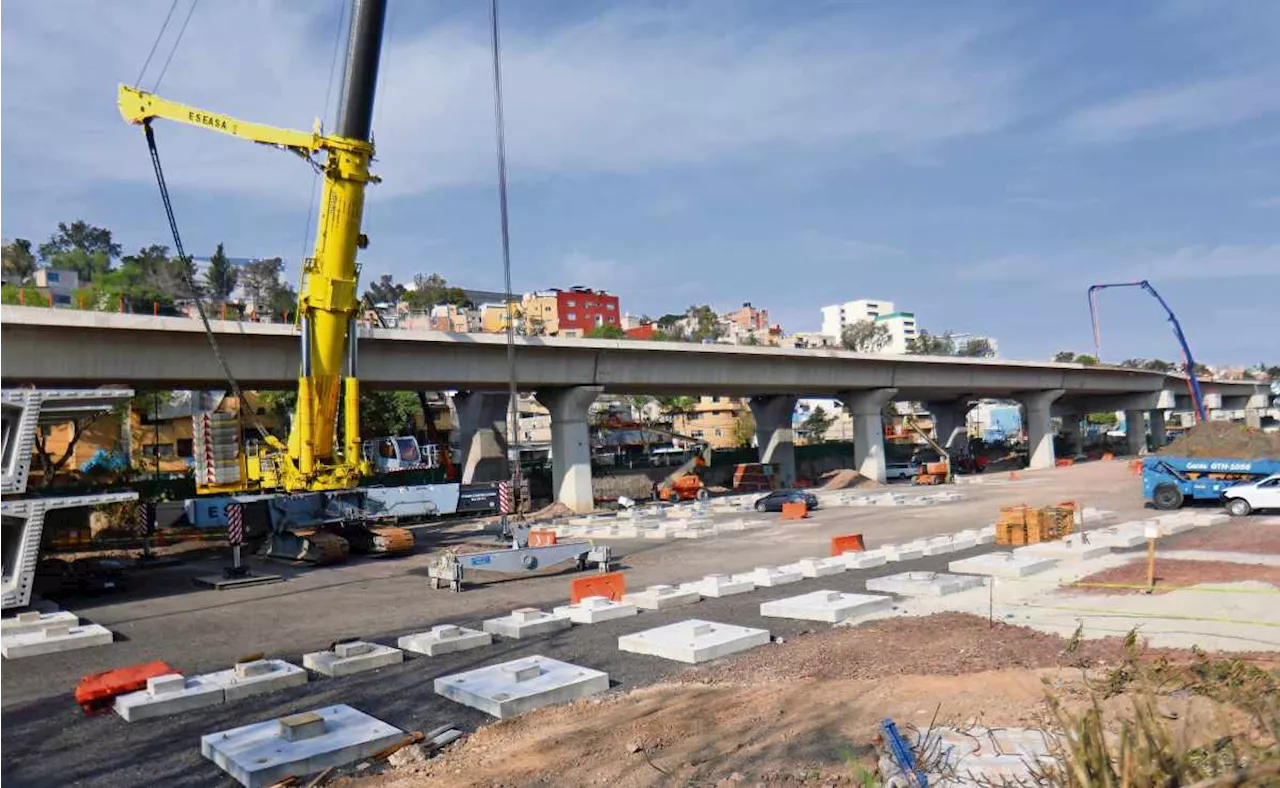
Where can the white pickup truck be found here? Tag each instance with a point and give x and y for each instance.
(1241, 499)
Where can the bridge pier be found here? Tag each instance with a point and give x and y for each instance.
(774, 434)
(868, 429)
(482, 435)
(949, 423)
(1135, 432)
(1039, 421)
(571, 444)
(1159, 436)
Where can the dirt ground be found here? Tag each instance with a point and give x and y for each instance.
(1172, 574)
(802, 712)
(1239, 536)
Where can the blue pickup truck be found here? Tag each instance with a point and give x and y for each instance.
(1169, 481)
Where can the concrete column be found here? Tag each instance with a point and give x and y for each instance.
(482, 435)
(1074, 432)
(571, 444)
(949, 425)
(1135, 432)
(774, 434)
(868, 429)
(1039, 421)
(1158, 435)
(1253, 418)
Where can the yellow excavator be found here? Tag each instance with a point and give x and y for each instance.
(310, 461)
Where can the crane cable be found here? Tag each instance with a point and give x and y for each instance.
(499, 128)
(186, 268)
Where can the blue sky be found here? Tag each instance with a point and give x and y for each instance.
(979, 163)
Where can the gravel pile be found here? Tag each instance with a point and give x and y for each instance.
(1224, 439)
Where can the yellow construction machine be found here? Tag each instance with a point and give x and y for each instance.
(930, 472)
(310, 461)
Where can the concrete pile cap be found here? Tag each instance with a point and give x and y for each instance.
(444, 639)
(719, 585)
(52, 639)
(693, 641)
(1002, 564)
(521, 685)
(923, 583)
(353, 656)
(864, 559)
(815, 567)
(829, 606)
(768, 576)
(34, 620)
(265, 753)
(255, 677)
(168, 694)
(594, 609)
(525, 622)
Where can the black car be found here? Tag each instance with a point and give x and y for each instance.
(87, 575)
(773, 501)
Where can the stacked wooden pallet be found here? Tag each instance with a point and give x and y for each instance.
(1023, 525)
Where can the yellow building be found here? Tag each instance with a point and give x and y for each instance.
(541, 313)
(713, 420)
(494, 317)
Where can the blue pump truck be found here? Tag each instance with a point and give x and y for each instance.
(1168, 482)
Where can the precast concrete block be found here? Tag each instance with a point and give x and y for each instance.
(1117, 538)
(1002, 564)
(699, 532)
(53, 639)
(903, 552)
(978, 536)
(35, 621)
(169, 694)
(352, 657)
(526, 622)
(444, 639)
(829, 606)
(269, 752)
(768, 576)
(1202, 520)
(661, 597)
(1069, 548)
(693, 641)
(814, 567)
(594, 609)
(864, 559)
(256, 677)
(923, 583)
(512, 688)
(716, 586)
(940, 545)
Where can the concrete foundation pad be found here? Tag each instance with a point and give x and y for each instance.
(661, 597)
(815, 567)
(54, 640)
(594, 609)
(769, 577)
(716, 586)
(941, 545)
(1001, 565)
(35, 621)
(224, 583)
(444, 639)
(693, 641)
(1202, 520)
(256, 678)
(1116, 538)
(353, 657)
(1070, 548)
(923, 583)
(267, 752)
(1171, 527)
(526, 622)
(859, 559)
(169, 694)
(521, 685)
(829, 606)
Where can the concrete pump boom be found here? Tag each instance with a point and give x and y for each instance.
(327, 300)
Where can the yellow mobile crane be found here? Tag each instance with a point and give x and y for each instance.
(327, 302)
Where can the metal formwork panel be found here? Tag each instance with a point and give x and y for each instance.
(23, 525)
(26, 410)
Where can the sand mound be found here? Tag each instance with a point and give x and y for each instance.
(1223, 439)
(845, 478)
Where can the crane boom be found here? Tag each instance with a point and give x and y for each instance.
(327, 301)
(1193, 382)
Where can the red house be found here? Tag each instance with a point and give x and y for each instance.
(581, 309)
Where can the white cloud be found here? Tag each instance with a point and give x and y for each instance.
(1202, 104)
(624, 92)
(845, 250)
(1266, 202)
(1225, 261)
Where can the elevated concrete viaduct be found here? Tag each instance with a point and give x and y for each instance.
(76, 348)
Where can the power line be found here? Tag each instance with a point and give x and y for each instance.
(155, 44)
(181, 31)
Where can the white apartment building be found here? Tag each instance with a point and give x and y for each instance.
(901, 325)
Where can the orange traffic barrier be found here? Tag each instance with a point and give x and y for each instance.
(611, 586)
(846, 543)
(1067, 505)
(96, 691)
(1106, 455)
(794, 511)
(1064, 463)
(1135, 466)
(542, 538)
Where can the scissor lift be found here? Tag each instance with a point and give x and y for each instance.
(24, 411)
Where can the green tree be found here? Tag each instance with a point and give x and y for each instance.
(607, 331)
(432, 289)
(751, 340)
(80, 247)
(926, 344)
(385, 413)
(1064, 357)
(1107, 418)
(1159, 365)
(221, 276)
(25, 295)
(1087, 360)
(706, 324)
(19, 260)
(1134, 363)
(744, 428)
(384, 291)
(264, 287)
(976, 348)
(817, 423)
(865, 336)
(675, 405)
